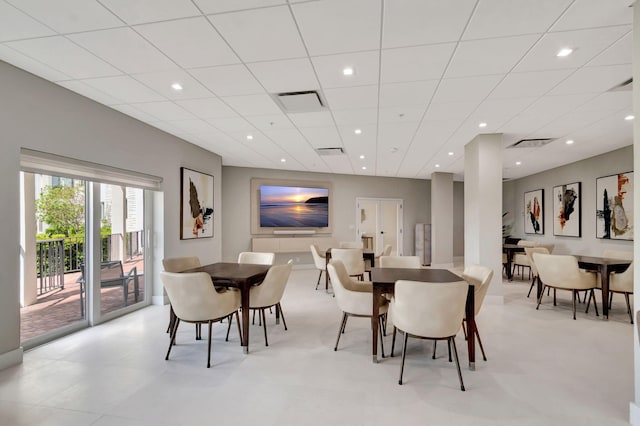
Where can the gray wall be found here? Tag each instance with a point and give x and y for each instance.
(40, 115)
(416, 195)
(585, 171)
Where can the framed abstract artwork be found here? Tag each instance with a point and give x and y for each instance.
(196, 204)
(534, 212)
(614, 207)
(567, 212)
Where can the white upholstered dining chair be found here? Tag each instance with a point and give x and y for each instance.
(256, 258)
(623, 283)
(534, 271)
(480, 277)
(352, 260)
(400, 262)
(194, 299)
(350, 244)
(319, 260)
(179, 264)
(430, 311)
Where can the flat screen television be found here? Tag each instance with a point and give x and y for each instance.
(293, 207)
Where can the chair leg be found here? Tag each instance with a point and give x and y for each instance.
(341, 329)
(319, 276)
(229, 320)
(404, 353)
(591, 296)
(172, 319)
(264, 326)
(540, 298)
(209, 345)
(464, 329)
(449, 349)
(174, 331)
(393, 341)
(455, 353)
(626, 296)
(595, 305)
(531, 288)
(480, 342)
(610, 299)
(435, 345)
(279, 309)
(573, 299)
(239, 328)
(381, 339)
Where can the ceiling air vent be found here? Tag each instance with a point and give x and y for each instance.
(625, 86)
(305, 101)
(330, 151)
(531, 143)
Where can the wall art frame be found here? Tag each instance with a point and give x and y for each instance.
(196, 204)
(567, 210)
(534, 212)
(614, 206)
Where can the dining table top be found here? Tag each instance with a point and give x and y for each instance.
(384, 276)
(232, 271)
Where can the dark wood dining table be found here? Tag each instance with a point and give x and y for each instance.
(509, 250)
(384, 281)
(366, 254)
(241, 276)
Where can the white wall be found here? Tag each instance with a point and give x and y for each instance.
(585, 171)
(236, 205)
(40, 115)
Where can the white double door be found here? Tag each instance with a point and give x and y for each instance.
(379, 222)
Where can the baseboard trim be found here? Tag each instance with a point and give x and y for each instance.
(634, 414)
(11, 358)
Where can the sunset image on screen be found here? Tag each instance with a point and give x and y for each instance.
(294, 206)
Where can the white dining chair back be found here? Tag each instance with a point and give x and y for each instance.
(319, 261)
(352, 260)
(350, 244)
(480, 277)
(400, 262)
(270, 293)
(534, 271)
(256, 258)
(179, 264)
(623, 283)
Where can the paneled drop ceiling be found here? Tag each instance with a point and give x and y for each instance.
(425, 75)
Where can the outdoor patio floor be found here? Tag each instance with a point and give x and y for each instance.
(61, 307)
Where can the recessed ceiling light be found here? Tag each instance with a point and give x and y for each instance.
(569, 142)
(437, 165)
(357, 131)
(362, 157)
(283, 160)
(347, 71)
(483, 124)
(518, 163)
(176, 86)
(450, 152)
(364, 167)
(564, 52)
(629, 117)
(249, 137)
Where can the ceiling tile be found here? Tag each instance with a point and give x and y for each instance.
(401, 114)
(365, 67)
(189, 42)
(124, 88)
(619, 53)
(228, 80)
(270, 122)
(443, 111)
(15, 25)
(594, 80)
(403, 94)
(245, 32)
(253, 104)
(69, 16)
(595, 13)
(330, 27)
(586, 44)
(311, 119)
(218, 6)
(352, 97)
(356, 116)
(232, 124)
(124, 49)
(289, 75)
(134, 112)
(489, 56)
(194, 126)
(89, 92)
(165, 111)
(62, 55)
(322, 137)
(499, 18)
(524, 84)
(161, 82)
(31, 65)
(207, 108)
(415, 63)
(142, 11)
(413, 22)
(465, 89)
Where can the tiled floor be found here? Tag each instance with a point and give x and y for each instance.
(544, 369)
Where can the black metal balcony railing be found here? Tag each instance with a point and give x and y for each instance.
(58, 256)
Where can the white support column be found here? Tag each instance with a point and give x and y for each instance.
(483, 207)
(442, 219)
(28, 278)
(634, 406)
